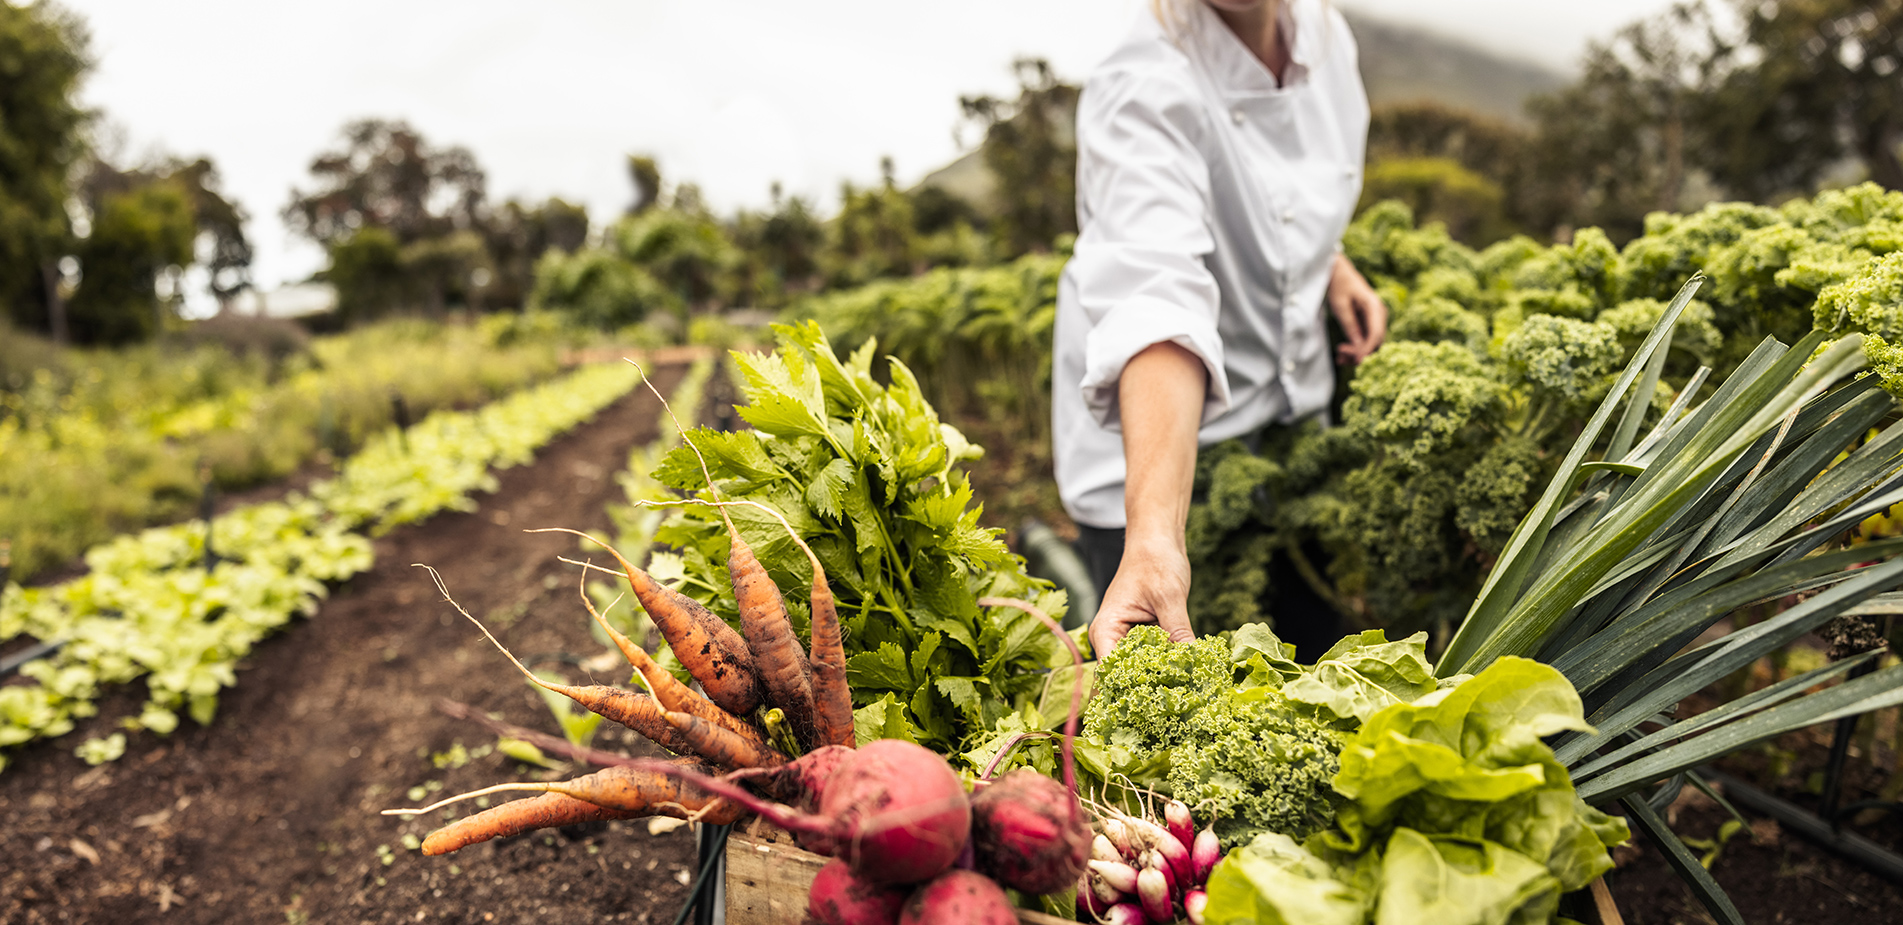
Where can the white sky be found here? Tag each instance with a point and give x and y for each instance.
(551, 96)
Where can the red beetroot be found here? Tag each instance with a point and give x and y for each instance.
(1029, 833)
(894, 811)
(839, 898)
(959, 897)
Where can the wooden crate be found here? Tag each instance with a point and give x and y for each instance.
(767, 880)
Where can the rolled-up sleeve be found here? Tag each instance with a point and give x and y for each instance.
(1138, 266)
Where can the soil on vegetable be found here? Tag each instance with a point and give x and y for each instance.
(270, 813)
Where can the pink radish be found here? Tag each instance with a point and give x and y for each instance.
(1204, 855)
(1118, 835)
(839, 898)
(959, 897)
(1126, 914)
(1194, 902)
(1176, 819)
(1028, 830)
(1147, 834)
(1116, 874)
(893, 810)
(1153, 891)
(1088, 899)
(1102, 850)
(1150, 860)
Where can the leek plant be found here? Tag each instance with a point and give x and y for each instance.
(1627, 560)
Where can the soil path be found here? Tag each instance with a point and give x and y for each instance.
(268, 815)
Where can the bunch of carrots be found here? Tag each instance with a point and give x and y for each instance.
(761, 671)
(911, 845)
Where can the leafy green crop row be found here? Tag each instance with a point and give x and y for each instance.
(1494, 362)
(95, 443)
(148, 607)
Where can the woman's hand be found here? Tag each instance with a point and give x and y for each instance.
(1161, 394)
(1363, 316)
(1152, 586)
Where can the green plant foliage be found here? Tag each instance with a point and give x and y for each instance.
(149, 608)
(873, 482)
(94, 443)
(1455, 812)
(1494, 360)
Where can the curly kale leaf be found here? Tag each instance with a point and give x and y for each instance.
(1871, 301)
(1561, 355)
(1694, 334)
(1496, 493)
(1435, 320)
(1246, 756)
(1417, 399)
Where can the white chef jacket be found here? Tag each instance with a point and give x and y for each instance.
(1211, 203)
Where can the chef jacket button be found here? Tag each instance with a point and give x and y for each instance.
(1288, 215)
(1235, 115)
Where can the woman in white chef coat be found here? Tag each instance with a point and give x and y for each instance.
(1220, 151)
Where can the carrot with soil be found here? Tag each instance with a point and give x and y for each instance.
(516, 817)
(670, 693)
(721, 747)
(707, 647)
(633, 710)
(832, 696)
(652, 788)
(782, 667)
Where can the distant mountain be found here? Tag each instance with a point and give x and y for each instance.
(1402, 63)
(1399, 63)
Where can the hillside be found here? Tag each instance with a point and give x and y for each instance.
(1399, 63)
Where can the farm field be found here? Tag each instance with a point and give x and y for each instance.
(269, 814)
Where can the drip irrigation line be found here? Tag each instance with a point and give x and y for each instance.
(714, 848)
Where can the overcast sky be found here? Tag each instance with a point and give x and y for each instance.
(550, 96)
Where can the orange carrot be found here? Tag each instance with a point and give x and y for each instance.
(832, 697)
(781, 666)
(514, 818)
(649, 787)
(707, 647)
(721, 747)
(776, 651)
(670, 692)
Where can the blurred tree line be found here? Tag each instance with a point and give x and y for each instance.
(1711, 99)
(1714, 99)
(92, 252)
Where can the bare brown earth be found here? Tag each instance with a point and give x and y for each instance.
(269, 814)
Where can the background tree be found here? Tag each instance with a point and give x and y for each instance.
(778, 251)
(138, 233)
(387, 176)
(1030, 147)
(646, 177)
(873, 235)
(43, 55)
(1614, 145)
(1807, 85)
(388, 183)
(518, 234)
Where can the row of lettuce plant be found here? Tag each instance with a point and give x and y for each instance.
(149, 607)
(94, 443)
